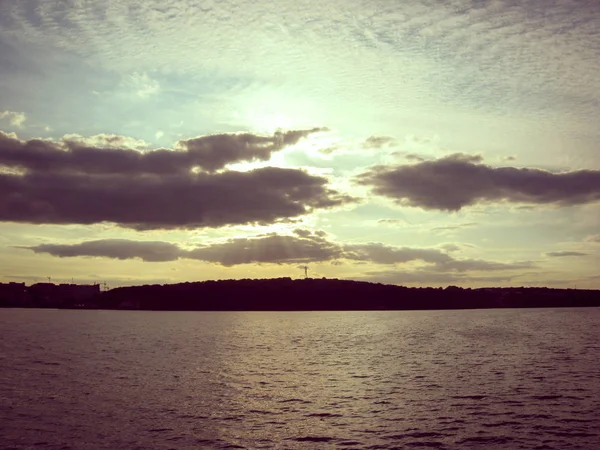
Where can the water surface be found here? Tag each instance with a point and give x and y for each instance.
(380, 380)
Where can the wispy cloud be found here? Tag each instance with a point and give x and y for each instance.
(481, 54)
(141, 85)
(451, 228)
(564, 254)
(428, 277)
(394, 222)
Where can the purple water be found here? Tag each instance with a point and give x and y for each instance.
(380, 380)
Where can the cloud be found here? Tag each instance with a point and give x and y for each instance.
(114, 248)
(452, 247)
(303, 246)
(16, 119)
(216, 151)
(141, 84)
(451, 228)
(593, 238)
(72, 181)
(271, 248)
(564, 254)
(378, 142)
(470, 265)
(441, 261)
(394, 222)
(112, 154)
(460, 180)
(478, 36)
(149, 201)
(384, 254)
(74, 141)
(329, 150)
(410, 156)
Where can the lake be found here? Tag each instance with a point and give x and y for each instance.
(510, 379)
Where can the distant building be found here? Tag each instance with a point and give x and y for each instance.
(50, 294)
(78, 292)
(12, 293)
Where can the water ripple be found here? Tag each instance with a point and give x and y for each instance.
(375, 380)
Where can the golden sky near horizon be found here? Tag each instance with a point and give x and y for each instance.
(415, 143)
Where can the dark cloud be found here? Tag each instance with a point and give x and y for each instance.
(308, 233)
(411, 156)
(103, 141)
(564, 254)
(103, 154)
(216, 151)
(460, 180)
(150, 251)
(272, 248)
(306, 246)
(175, 201)
(75, 157)
(463, 157)
(303, 246)
(68, 182)
(451, 247)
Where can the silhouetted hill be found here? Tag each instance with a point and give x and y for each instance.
(285, 294)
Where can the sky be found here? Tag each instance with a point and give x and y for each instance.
(419, 143)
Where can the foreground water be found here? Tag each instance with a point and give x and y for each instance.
(441, 379)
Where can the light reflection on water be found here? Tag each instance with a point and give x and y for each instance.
(439, 379)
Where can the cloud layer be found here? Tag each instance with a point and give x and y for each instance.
(151, 251)
(303, 246)
(459, 180)
(110, 155)
(489, 47)
(67, 183)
